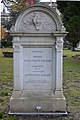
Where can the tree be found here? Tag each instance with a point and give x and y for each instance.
(3, 33)
(71, 19)
(73, 26)
(16, 6)
(3, 36)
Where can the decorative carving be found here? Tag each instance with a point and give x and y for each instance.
(16, 47)
(63, 29)
(59, 44)
(37, 21)
(12, 28)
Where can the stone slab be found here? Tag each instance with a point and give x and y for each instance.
(37, 68)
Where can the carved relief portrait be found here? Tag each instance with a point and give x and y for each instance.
(37, 22)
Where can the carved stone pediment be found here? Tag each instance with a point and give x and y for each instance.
(38, 19)
(37, 22)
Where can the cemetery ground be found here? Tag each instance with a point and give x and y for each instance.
(71, 87)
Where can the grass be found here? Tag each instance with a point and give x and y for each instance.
(6, 76)
(71, 83)
(5, 67)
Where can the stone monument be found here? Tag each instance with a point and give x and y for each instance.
(38, 45)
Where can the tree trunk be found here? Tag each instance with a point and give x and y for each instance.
(73, 48)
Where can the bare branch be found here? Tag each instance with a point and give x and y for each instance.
(9, 1)
(6, 5)
(13, 2)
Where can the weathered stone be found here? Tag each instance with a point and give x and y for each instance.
(38, 43)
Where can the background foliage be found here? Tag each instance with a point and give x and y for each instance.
(71, 19)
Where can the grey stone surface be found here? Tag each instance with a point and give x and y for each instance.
(38, 43)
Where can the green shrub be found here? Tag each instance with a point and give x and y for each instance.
(11, 118)
(1, 115)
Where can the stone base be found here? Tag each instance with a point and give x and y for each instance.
(29, 101)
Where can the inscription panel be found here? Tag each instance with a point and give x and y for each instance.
(37, 68)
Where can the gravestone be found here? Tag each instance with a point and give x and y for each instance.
(38, 43)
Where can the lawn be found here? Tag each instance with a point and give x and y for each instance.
(71, 81)
(71, 85)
